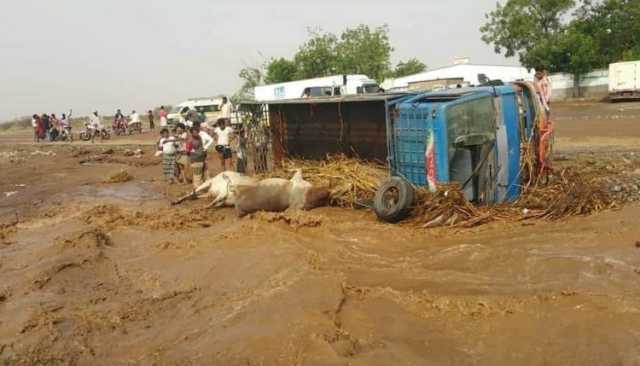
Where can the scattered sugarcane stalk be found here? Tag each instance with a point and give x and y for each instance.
(567, 193)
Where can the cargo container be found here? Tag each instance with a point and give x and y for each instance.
(330, 86)
(624, 80)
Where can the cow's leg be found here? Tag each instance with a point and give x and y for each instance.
(184, 198)
(203, 187)
(197, 193)
(217, 202)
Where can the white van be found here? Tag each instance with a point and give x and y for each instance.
(210, 107)
(319, 87)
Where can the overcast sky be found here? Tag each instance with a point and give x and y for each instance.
(90, 54)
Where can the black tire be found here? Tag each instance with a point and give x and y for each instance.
(84, 136)
(393, 209)
(105, 135)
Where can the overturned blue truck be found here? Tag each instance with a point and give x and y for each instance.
(475, 137)
(487, 140)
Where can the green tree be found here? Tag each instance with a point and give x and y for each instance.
(409, 67)
(317, 56)
(570, 51)
(614, 26)
(364, 51)
(518, 25)
(280, 70)
(251, 77)
(579, 53)
(359, 50)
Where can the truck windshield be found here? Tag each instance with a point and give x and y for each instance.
(470, 126)
(176, 109)
(475, 117)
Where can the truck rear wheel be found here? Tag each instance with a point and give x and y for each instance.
(393, 200)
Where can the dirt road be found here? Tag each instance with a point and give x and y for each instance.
(95, 273)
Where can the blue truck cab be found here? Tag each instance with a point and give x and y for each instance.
(469, 136)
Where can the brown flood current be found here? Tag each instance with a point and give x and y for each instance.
(93, 273)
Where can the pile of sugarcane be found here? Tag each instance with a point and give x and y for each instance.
(446, 207)
(569, 193)
(353, 182)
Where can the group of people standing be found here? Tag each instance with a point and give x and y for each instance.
(50, 127)
(184, 150)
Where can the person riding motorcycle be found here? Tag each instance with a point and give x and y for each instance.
(134, 119)
(95, 122)
(95, 126)
(119, 122)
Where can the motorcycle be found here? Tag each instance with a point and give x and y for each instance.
(119, 126)
(134, 127)
(91, 132)
(65, 134)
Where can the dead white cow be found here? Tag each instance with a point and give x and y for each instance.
(219, 188)
(277, 195)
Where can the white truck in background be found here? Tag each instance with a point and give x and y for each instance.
(329, 86)
(624, 80)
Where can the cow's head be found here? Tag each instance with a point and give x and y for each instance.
(316, 197)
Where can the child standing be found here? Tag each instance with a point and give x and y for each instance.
(197, 156)
(150, 116)
(167, 146)
(224, 132)
(182, 159)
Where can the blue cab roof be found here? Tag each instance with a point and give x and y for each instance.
(461, 92)
(451, 95)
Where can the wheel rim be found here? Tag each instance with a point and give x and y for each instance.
(390, 197)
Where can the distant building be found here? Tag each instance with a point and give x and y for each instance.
(593, 85)
(469, 74)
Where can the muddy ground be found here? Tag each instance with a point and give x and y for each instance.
(95, 273)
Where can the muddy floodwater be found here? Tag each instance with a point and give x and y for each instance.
(95, 273)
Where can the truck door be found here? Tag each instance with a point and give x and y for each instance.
(502, 145)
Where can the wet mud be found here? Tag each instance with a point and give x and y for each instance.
(112, 274)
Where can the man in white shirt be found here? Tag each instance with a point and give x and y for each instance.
(224, 133)
(34, 124)
(65, 124)
(225, 110)
(95, 121)
(207, 140)
(134, 118)
(96, 124)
